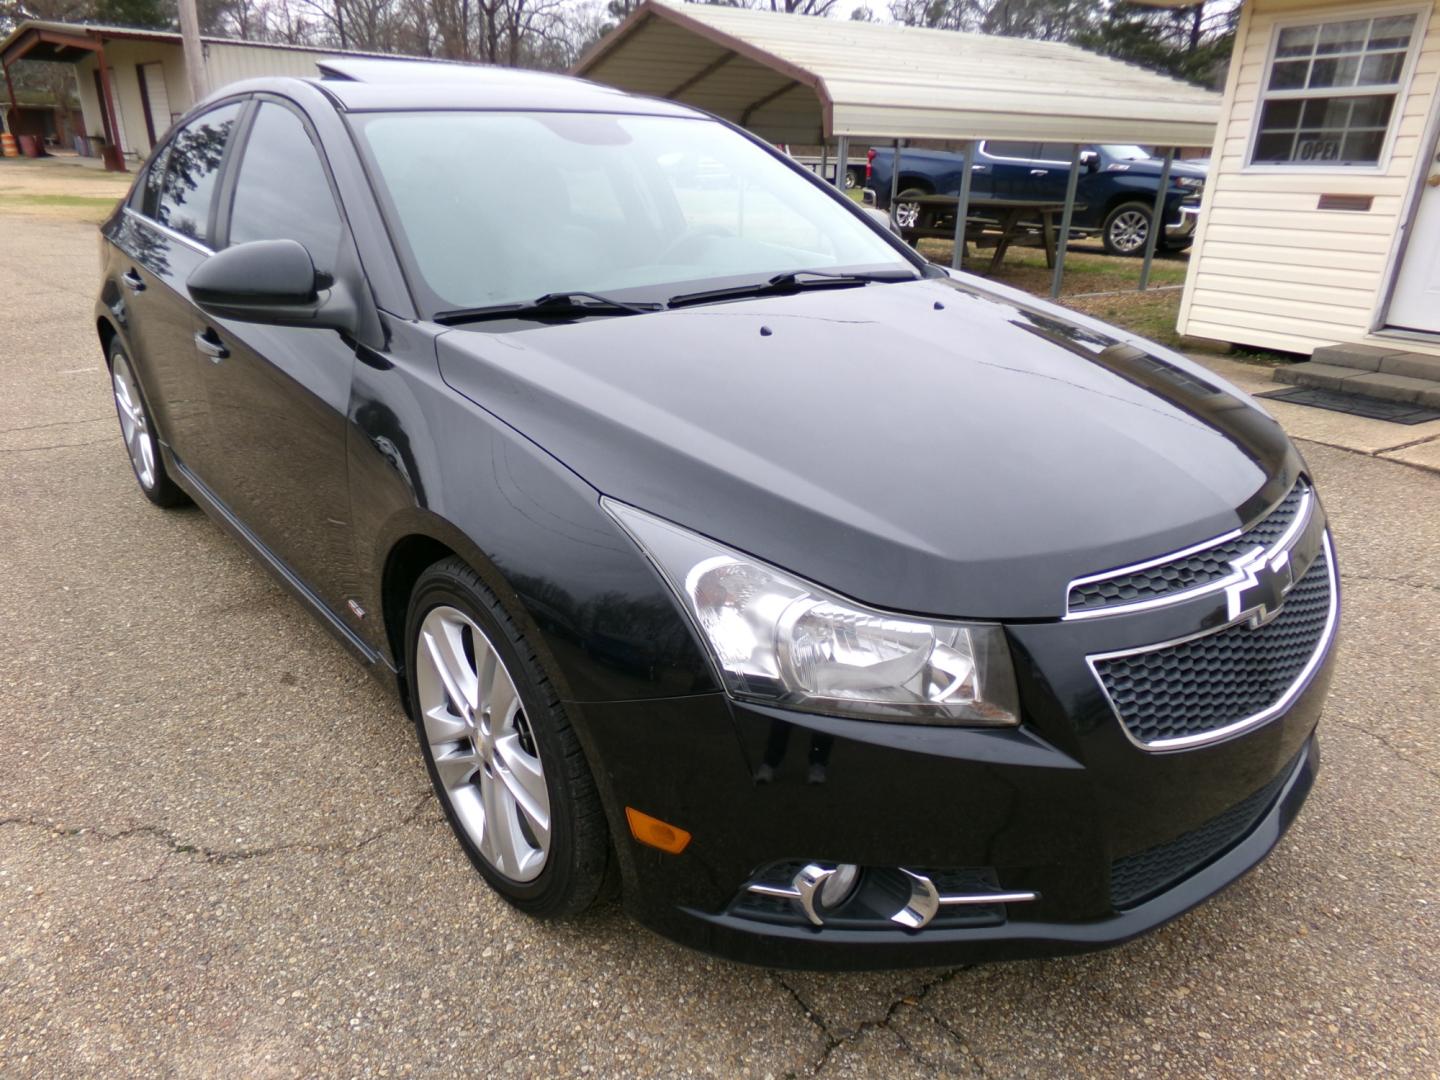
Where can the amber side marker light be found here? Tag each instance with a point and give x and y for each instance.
(656, 833)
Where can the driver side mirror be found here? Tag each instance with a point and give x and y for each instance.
(273, 282)
(1090, 159)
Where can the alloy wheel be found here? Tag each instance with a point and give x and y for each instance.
(482, 745)
(907, 214)
(1129, 230)
(134, 425)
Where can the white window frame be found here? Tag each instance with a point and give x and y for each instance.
(1401, 90)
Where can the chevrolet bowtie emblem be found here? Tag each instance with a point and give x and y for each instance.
(1265, 579)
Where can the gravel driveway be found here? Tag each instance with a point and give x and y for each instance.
(219, 855)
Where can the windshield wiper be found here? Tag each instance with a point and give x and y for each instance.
(556, 304)
(791, 282)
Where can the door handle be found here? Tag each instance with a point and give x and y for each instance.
(133, 281)
(209, 344)
(979, 168)
(1433, 180)
(1039, 172)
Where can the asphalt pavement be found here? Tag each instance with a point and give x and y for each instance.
(219, 855)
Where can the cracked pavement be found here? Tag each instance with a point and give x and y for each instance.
(218, 854)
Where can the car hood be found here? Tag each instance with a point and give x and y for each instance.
(931, 447)
(1154, 166)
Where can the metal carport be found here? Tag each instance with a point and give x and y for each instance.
(796, 79)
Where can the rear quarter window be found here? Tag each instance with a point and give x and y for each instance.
(192, 170)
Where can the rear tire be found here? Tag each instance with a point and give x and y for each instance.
(137, 428)
(907, 214)
(504, 760)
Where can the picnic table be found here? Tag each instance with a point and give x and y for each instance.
(1007, 218)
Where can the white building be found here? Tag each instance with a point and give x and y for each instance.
(1321, 220)
(133, 83)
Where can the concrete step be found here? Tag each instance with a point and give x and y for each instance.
(1369, 383)
(1385, 360)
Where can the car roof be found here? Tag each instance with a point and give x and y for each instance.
(361, 85)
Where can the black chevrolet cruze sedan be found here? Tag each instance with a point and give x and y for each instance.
(560, 407)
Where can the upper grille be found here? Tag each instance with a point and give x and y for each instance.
(1224, 678)
(1138, 877)
(1190, 571)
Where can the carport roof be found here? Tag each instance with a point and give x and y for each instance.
(62, 42)
(797, 79)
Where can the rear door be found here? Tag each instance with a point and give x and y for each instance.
(1010, 165)
(279, 396)
(163, 240)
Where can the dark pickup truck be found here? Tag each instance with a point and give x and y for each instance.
(1114, 199)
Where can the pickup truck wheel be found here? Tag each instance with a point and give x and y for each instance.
(907, 213)
(1126, 229)
(852, 179)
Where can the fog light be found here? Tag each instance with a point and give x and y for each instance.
(839, 885)
(883, 896)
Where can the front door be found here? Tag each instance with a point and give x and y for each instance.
(1416, 302)
(279, 395)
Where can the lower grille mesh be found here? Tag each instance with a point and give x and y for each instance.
(1211, 682)
(1135, 878)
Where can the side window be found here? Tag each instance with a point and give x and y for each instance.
(1055, 151)
(188, 185)
(281, 192)
(146, 195)
(1023, 150)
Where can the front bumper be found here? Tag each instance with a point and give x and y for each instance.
(1183, 227)
(804, 947)
(1052, 807)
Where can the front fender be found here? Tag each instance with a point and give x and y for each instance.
(426, 462)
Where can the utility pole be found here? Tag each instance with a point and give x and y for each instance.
(194, 53)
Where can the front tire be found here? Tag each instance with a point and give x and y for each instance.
(138, 430)
(504, 760)
(1126, 229)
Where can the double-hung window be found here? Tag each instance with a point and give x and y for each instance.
(1332, 90)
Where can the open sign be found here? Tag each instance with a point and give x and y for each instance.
(1317, 150)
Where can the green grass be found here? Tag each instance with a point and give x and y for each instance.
(96, 202)
(1105, 286)
(1149, 314)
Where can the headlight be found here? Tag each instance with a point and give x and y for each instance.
(780, 640)
(1189, 182)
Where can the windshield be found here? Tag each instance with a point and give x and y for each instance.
(497, 208)
(1127, 153)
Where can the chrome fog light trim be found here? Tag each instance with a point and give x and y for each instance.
(818, 889)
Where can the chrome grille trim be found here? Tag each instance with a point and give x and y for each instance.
(1237, 727)
(1303, 514)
